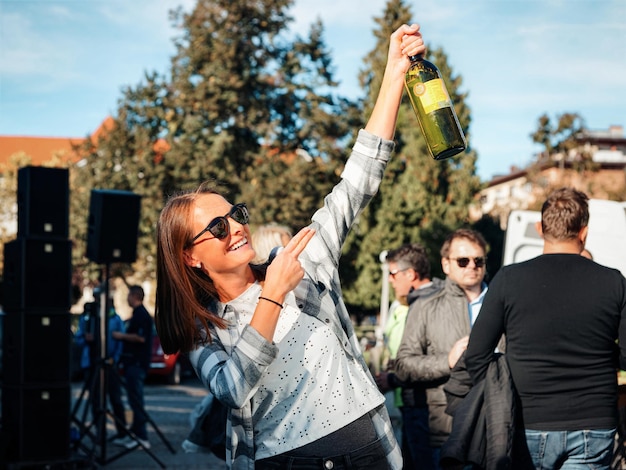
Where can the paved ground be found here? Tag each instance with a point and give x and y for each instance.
(169, 408)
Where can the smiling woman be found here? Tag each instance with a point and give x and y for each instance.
(274, 342)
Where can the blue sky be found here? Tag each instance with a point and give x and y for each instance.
(63, 63)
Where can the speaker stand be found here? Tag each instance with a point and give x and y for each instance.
(99, 375)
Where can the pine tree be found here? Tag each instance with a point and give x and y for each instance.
(126, 156)
(243, 94)
(289, 178)
(420, 200)
(241, 86)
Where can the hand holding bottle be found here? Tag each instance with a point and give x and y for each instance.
(404, 41)
(434, 109)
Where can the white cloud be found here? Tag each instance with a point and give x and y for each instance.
(28, 53)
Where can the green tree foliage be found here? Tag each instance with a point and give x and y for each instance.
(288, 191)
(243, 96)
(126, 156)
(420, 200)
(563, 142)
(559, 137)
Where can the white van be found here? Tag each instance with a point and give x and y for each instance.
(606, 240)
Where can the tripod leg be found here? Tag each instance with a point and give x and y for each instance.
(81, 395)
(97, 403)
(116, 377)
(85, 403)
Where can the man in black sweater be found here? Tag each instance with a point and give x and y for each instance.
(561, 314)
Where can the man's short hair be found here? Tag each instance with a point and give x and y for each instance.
(564, 214)
(468, 234)
(411, 255)
(136, 291)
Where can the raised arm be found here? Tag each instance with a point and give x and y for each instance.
(365, 167)
(404, 42)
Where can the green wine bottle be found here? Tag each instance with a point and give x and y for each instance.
(434, 110)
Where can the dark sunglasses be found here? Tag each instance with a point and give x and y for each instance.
(219, 226)
(479, 262)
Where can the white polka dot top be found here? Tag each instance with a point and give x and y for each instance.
(312, 388)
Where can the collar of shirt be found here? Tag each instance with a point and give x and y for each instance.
(474, 306)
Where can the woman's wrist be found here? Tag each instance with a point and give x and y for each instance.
(271, 301)
(275, 294)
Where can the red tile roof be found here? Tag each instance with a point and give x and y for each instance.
(40, 149)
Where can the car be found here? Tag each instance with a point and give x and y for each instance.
(170, 367)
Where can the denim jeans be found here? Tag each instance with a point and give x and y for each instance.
(135, 376)
(370, 457)
(416, 448)
(569, 450)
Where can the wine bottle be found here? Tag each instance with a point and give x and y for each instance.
(433, 108)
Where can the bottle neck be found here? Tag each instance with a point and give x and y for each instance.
(416, 58)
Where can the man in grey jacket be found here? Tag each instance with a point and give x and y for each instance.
(409, 274)
(436, 333)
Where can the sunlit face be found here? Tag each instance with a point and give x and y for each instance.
(400, 278)
(218, 255)
(470, 276)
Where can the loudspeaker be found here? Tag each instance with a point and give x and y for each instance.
(37, 274)
(36, 423)
(36, 349)
(43, 196)
(113, 225)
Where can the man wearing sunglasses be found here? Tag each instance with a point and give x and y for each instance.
(564, 318)
(410, 277)
(436, 334)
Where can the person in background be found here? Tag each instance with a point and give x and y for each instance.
(563, 317)
(135, 360)
(208, 428)
(436, 334)
(391, 334)
(267, 237)
(276, 346)
(88, 336)
(410, 276)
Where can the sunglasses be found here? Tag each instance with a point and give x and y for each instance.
(219, 226)
(479, 262)
(394, 273)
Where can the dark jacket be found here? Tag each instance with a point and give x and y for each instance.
(414, 394)
(423, 353)
(486, 429)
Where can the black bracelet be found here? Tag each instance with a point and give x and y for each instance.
(272, 301)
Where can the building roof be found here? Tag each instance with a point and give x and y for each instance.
(40, 149)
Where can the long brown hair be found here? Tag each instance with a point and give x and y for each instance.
(183, 293)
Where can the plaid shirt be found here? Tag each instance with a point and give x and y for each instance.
(233, 363)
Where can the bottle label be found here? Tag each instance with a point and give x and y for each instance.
(432, 94)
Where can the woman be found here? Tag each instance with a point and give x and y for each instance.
(267, 237)
(276, 346)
